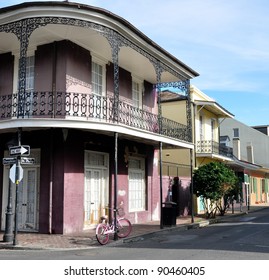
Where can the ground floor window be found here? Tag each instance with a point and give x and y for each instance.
(137, 188)
(96, 187)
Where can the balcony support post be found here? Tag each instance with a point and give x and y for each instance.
(161, 185)
(115, 184)
(192, 200)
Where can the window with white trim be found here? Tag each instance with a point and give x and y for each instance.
(30, 73)
(98, 76)
(137, 188)
(236, 132)
(201, 130)
(137, 92)
(213, 125)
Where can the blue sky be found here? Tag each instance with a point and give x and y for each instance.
(225, 41)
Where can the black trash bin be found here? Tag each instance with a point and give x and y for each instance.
(169, 211)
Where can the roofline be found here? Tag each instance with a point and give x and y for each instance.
(106, 13)
(214, 104)
(245, 164)
(260, 126)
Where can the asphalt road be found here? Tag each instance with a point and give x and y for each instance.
(239, 238)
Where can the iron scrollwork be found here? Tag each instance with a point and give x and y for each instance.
(51, 105)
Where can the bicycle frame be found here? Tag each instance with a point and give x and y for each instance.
(111, 226)
(121, 227)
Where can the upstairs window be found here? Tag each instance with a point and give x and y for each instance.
(98, 75)
(236, 132)
(213, 125)
(201, 130)
(97, 78)
(137, 92)
(30, 73)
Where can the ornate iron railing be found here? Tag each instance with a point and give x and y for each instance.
(89, 107)
(213, 147)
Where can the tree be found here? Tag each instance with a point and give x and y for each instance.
(217, 184)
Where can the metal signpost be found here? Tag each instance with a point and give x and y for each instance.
(18, 177)
(15, 175)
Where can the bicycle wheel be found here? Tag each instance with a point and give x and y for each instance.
(124, 227)
(101, 236)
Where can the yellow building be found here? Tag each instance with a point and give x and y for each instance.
(206, 117)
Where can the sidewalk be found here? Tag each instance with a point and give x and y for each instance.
(87, 239)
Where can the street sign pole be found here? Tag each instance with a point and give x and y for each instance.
(17, 180)
(17, 176)
(8, 228)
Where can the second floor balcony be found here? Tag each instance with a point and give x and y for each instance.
(211, 148)
(88, 108)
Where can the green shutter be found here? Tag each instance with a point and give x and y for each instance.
(246, 178)
(255, 188)
(266, 185)
(255, 185)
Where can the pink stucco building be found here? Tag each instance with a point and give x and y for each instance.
(80, 86)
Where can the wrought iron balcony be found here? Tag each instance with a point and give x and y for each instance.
(88, 107)
(213, 147)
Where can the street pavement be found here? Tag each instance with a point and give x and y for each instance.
(87, 239)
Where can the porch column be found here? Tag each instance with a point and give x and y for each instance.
(191, 186)
(188, 110)
(24, 42)
(158, 70)
(114, 41)
(161, 184)
(190, 121)
(115, 184)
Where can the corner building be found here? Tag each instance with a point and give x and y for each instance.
(81, 86)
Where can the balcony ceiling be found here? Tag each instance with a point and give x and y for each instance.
(89, 39)
(129, 59)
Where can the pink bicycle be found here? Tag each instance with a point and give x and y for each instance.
(105, 229)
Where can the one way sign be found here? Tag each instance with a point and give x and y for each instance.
(19, 150)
